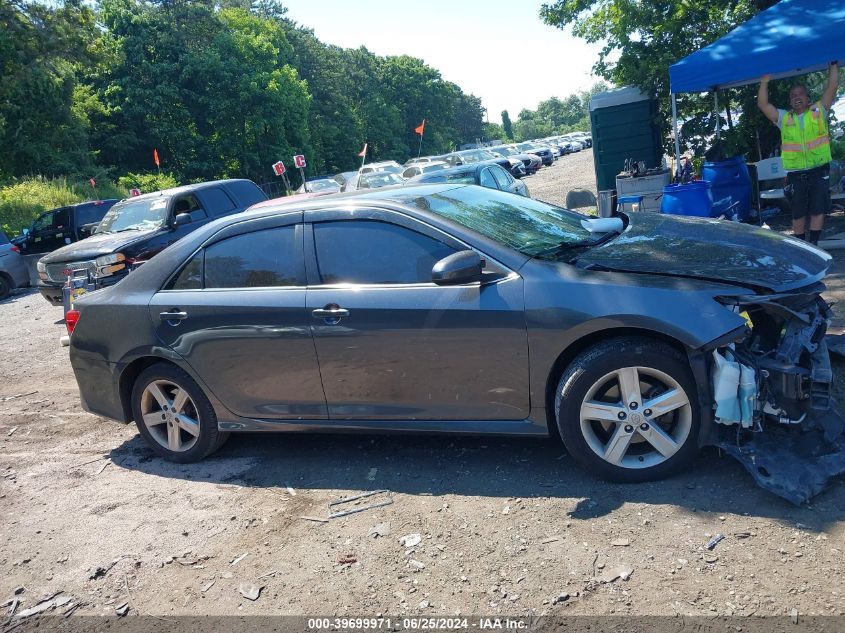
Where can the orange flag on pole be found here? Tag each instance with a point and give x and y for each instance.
(420, 128)
(363, 152)
(155, 157)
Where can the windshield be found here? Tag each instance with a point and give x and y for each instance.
(503, 151)
(523, 224)
(380, 179)
(323, 185)
(135, 215)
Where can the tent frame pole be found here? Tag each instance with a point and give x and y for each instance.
(677, 138)
(716, 110)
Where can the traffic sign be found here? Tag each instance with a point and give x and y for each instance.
(278, 168)
(299, 161)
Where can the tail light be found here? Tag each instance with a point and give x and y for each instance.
(71, 319)
(16, 248)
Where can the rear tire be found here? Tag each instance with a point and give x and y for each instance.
(5, 287)
(627, 410)
(174, 416)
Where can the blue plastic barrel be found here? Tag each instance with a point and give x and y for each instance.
(731, 187)
(692, 198)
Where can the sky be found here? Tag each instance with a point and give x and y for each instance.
(498, 50)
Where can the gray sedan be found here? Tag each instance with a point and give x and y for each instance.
(462, 309)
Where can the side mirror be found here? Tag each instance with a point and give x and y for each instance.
(181, 220)
(463, 267)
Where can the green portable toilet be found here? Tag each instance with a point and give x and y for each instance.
(623, 126)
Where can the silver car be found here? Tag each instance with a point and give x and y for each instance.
(13, 272)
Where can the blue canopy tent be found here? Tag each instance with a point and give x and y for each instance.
(794, 37)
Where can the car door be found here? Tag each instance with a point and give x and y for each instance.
(393, 345)
(48, 230)
(236, 313)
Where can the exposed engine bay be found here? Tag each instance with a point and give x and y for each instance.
(773, 407)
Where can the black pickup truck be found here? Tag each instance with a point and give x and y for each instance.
(58, 227)
(135, 229)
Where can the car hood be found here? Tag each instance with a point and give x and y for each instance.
(716, 250)
(523, 156)
(96, 245)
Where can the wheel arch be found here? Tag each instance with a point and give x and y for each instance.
(568, 354)
(128, 376)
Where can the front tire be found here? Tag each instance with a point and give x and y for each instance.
(627, 410)
(174, 416)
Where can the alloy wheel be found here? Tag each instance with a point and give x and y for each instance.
(170, 415)
(636, 417)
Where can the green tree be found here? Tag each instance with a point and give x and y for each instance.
(642, 39)
(507, 125)
(493, 131)
(42, 49)
(211, 89)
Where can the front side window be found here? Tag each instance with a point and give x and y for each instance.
(371, 252)
(191, 206)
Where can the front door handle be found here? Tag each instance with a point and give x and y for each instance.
(330, 313)
(173, 315)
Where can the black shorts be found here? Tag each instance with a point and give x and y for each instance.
(808, 191)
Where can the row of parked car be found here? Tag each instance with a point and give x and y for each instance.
(516, 159)
(105, 239)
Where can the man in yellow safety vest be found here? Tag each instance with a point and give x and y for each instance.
(805, 151)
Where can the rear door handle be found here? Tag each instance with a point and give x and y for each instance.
(174, 315)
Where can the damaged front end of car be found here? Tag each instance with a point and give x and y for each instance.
(771, 391)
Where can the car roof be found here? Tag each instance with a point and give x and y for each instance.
(174, 191)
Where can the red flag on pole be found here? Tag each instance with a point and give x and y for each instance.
(155, 157)
(420, 128)
(363, 152)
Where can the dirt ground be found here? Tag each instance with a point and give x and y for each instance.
(505, 526)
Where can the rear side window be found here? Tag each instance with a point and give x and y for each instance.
(245, 192)
(486, 179)
(253, 260)
(370, 252)
(3, 238)
(502, 177)
(216, 201)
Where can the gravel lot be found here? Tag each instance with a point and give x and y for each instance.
(573, 171)
(506, 526)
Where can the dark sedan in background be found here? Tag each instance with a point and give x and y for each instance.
(449, 308)
(483, 174)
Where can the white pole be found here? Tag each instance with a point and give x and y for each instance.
(677, 138)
